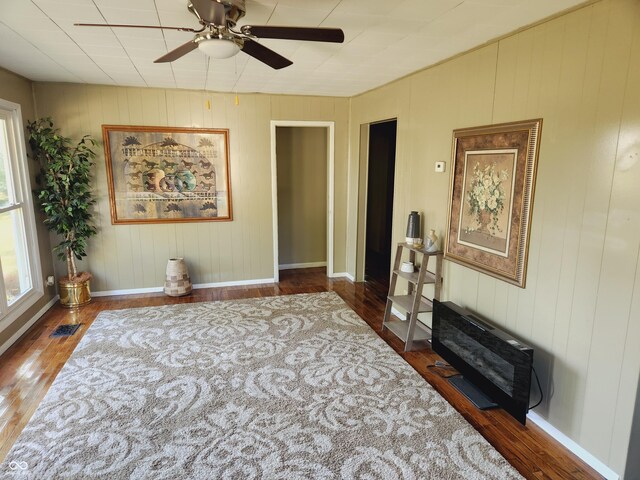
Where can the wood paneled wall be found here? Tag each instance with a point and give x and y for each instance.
(581, 307)
(135, 256)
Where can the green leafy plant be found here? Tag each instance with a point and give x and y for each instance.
(64, 189)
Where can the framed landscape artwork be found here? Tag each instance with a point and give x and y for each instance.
(492, 187)
(167, 174)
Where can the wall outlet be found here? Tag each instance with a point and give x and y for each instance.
(440, 167)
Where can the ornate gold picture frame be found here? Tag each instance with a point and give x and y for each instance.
(167, 174)
(491, 198)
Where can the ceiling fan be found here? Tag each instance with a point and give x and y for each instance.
(218, 37)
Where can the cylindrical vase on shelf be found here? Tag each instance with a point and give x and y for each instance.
(413, 229)
(177, 281)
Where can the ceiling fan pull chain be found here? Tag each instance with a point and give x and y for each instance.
(235, 85)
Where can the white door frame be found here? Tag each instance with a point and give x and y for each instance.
(330, 126)
(363, 190)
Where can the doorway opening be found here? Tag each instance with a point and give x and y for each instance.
(379, 201)
(302, 159)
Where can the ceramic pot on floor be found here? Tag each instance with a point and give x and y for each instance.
(177, 282)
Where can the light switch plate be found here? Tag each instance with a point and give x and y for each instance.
(440, 167)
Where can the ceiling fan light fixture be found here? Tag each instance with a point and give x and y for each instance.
(219, 48)
(216, 37)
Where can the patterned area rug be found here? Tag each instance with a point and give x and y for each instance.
(290, 387)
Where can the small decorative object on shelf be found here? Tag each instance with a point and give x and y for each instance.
(431, 242)
(413, 229)
(412, 332)
(407, 267)
(178, 282)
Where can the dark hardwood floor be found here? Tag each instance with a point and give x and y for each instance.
(29, 367)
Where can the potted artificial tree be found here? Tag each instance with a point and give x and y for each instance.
(64, 192)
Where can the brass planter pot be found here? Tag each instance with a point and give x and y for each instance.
(74, 293)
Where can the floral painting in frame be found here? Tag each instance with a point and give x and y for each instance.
(167, 174)
(491, 198)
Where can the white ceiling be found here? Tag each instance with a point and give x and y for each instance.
(384, 40)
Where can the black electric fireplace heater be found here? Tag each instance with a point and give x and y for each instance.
(495, 367)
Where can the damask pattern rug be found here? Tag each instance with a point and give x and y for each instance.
(289, 387)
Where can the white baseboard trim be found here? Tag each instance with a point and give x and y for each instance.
(346, 275)
(136, 291)
(126, 291)
(573, 447)
(5, 346)
(291, 266)
(235, 283)
(400, 314)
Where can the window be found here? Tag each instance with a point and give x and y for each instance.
(20, 277)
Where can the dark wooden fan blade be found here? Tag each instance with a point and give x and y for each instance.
(177, 52)
(119, 25)
(310, 34)
(210, 11)
(265, 55)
